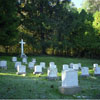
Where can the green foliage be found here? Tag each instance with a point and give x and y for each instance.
(50, 27)
(91, 6)
(96, 22)
(8, 22)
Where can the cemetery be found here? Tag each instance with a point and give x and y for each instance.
(49, 49)
(20, 82)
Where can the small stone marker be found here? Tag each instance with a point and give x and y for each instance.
(96, 70)
(79, 65)
(42, 64)
(51, 64)
(95, 65)
(31, 65)
(85, 71)
(65, 67)
(3, 64)
(17, 64)
(38, 69)
(69, 82)
(21, 70)
(24, 60)
(76, 67)
(34, 60)
(52, 73)
(71, 65)
(14, 59)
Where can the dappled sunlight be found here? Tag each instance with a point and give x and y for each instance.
(79, 72)
(92, 77)
(4, 74)
(59, 74)
(11, 74)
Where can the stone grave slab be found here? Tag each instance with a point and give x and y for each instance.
(69, 82)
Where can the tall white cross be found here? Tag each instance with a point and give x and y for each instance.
(22, 46)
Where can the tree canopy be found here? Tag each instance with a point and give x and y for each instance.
(50, 27)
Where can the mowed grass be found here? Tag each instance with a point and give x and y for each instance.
(31, 86)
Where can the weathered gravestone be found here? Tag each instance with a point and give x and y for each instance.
(52, 72)
(14, 59)
(24, 60)
(85, 71)
(51, 64)
(42, 64)
(3, 64)
(95, 65)
(69, 82)
(17, 64)
(38, 69)
(21, 70)
(79, 65)
(65, 67)
(31, 65)
(76, 67)
(34, 60)
(96, 70)
(71, 65)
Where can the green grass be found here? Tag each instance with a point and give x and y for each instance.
(31, 86)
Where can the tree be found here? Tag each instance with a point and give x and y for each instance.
(40, 19)
(91, 5)
(9, 22)
(96, 23)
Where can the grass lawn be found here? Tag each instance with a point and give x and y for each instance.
(31, 86)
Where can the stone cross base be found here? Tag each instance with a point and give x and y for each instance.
(37, 72)
(23, 56)
(69, 90)
(52, 78)
(23, 73)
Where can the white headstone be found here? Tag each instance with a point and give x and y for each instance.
(52, 71)
(31, 65)
(24, 60)
(79, 65)
(21, 69)
(14, 59)
(17, 64)
(85, 71)
(34, 60)
(97, 71)
(95, 65)
(51, 64)
(65, 67)
(42, 64)
(37, 69)
(76, 66)
(69, 78)
(71, 65)
(3, 64)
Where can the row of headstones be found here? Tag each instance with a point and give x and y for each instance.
(85, 70)
(69, 76)
(38, 68)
